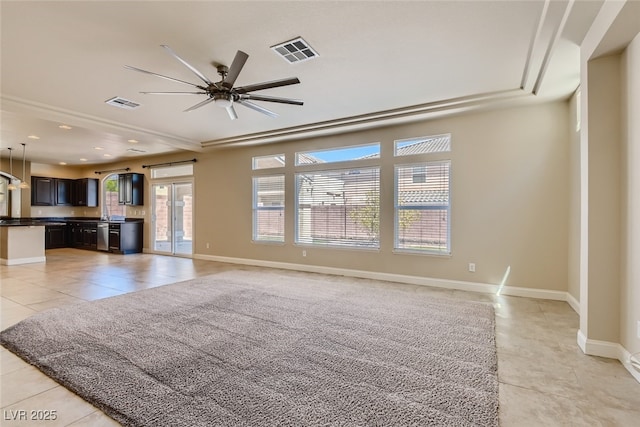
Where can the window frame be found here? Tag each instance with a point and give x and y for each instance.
(106, 209)
(255, 208)
(358, 243)
(397, 209)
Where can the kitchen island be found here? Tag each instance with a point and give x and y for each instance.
(21, 243)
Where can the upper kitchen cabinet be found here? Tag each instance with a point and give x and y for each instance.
(63, 192)
(85, 192)
(47, 191)
(131, 189)
(42, 191)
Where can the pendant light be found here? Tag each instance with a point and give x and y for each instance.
(23, 184)
(11, 185)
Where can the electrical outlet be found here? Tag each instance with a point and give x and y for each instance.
(207, 245)
(304, 253)
(638, 331)
(472, 267)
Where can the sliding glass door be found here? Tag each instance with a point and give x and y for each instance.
(172, 218)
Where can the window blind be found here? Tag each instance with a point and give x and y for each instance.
(338, 208)
(422, 209)
(268, 208)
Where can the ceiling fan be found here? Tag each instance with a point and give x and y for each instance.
(223, 93)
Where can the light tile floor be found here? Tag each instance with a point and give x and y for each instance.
(545, 380)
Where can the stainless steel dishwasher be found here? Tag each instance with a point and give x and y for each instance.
(103, 236)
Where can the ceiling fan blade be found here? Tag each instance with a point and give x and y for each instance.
(174, 93)
(199, 104)
(186, 64)
(272, 99)
(257, 108)
(129, 67)
(232, 112)
(236, 66)
(267, 85)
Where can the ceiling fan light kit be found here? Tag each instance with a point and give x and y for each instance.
(223, 93)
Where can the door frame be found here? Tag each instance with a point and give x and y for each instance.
(171, 182)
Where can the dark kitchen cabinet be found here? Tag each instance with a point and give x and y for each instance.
(42, 191)
(47, 191)
(75, 235)
(90, 236)
(63, 191)
(125, 237)
(85, 192)
(55, 236)
(83, 235)
(131, 189)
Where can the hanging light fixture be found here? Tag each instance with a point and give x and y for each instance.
(24, 183)
(11, 185)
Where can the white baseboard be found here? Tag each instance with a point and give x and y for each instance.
(18, 261)
(573, 302)
(609, 350)
(400, 278)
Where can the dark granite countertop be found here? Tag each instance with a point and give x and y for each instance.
(23, 222)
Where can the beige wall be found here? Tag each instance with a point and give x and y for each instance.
(573, 283)
(630, 227)
(603, 145)
(510, 192)
(610, 184)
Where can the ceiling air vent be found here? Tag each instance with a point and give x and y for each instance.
(122, 103)
(135, 150)
(296, 50)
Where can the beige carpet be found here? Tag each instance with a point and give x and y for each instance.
(245, 348)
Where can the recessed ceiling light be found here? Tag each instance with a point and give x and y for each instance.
(33, 137)
(133, 141)
(107, 155)
(62, 163)
(65, 127)
(83, 159)
(98, 148)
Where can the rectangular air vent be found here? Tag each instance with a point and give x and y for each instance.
(296, 50)
(122, 103)
(135, 150)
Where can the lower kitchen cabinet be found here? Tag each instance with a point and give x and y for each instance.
(55, 236)
(125, 237)
(83, 235)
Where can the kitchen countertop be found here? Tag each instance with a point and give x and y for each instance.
(35, 222)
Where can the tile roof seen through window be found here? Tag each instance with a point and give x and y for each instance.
(423, 197)
(436, 144)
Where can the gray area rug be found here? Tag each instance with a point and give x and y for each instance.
(247, 348)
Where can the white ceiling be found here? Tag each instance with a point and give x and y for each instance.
(379, 62)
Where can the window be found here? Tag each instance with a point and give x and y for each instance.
(338, 208)
(268, 162)
(343, 154)
(110, 197)
(171, 171)
(268, 208)
(5, 195)
(423, 145)
(422, 207)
